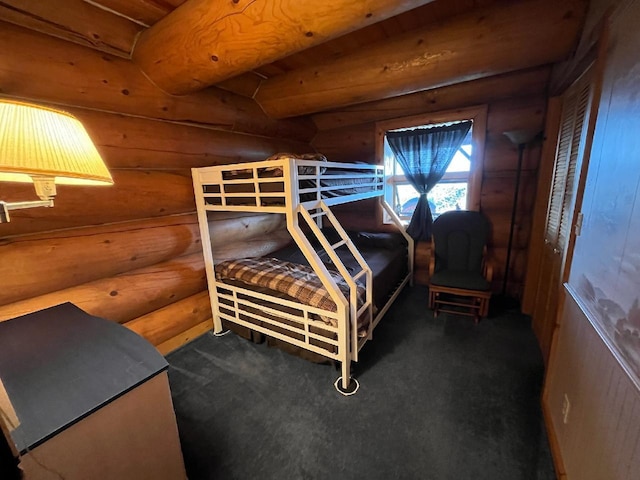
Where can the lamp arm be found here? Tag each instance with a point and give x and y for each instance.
(6, 206)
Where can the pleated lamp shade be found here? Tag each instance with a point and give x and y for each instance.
(42, 142)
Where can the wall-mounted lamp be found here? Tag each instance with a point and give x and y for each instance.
(46, 147)
(520, 138)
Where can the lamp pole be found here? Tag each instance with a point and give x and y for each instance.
(520, 138)
(514, 209)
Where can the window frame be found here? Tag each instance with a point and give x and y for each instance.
(477, 114)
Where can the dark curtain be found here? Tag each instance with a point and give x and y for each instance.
(424, 155)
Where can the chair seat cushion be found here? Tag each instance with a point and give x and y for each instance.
(460, 279)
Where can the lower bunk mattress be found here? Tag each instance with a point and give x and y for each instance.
(386, 255)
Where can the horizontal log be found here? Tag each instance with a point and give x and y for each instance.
(348, 144)
(143, 11)
(500, 225)
(524, 113)
(245, 84)
(484, 42)
(39, 264)
(185, 337)
(241, 35)
(256, 247)
(74, 21)
(41, 68)
(502, 155)
(126, 296)
(225, 230)
(132, 142)
(498, 192)
(167, 322)
(134, 195)
(517, 265)
(523, 83)
(357, 142)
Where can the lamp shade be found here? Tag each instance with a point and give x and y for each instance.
(43, 142)
(521, 137)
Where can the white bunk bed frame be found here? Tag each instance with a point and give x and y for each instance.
(213, 187)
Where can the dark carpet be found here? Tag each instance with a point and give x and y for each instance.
(439, 399)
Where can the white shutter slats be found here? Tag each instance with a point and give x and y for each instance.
(574, 110)
(584, 91)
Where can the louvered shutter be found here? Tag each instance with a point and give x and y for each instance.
(582, 107)
(574, 110)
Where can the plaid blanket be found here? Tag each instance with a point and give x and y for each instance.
(297, 281)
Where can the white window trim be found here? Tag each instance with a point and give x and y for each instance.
(478, 114)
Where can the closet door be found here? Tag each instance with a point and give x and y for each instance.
(573, 140)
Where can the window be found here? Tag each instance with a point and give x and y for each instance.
(449, 194)
(459, 188)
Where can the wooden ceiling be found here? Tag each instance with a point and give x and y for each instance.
(114, 27)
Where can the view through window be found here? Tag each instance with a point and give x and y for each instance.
(449, 194)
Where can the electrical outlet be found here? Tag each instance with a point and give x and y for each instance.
(566, 406)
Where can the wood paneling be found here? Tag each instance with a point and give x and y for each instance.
(600, 436)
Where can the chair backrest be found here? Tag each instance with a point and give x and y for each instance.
(459, 237)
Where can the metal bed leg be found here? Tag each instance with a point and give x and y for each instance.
(346, 385)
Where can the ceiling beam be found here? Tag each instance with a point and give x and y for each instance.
(484, 42)
(75, 21)
(204, 42)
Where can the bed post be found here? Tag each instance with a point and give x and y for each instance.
(206, 251)
(410, 242)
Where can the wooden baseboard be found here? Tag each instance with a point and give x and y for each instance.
(561, 473)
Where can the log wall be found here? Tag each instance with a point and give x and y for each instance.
(515, 101)
(130, 252)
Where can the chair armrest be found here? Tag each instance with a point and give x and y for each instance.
(432, 259)
(488, 263)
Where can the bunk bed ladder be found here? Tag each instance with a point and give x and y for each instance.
(313, 220)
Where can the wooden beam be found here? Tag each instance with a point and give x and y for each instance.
(484, 42)
(45, 69)
(521, 83)
(75, 21)
(205, 42)
(43, 263)
(126, 296)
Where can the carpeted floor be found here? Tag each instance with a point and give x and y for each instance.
(439, 399)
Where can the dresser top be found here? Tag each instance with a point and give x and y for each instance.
(61, 364)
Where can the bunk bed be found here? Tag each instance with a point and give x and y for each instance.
(319, 294)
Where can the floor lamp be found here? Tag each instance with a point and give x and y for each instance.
(520, 138)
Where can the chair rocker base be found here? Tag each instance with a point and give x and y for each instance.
(442, 299)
